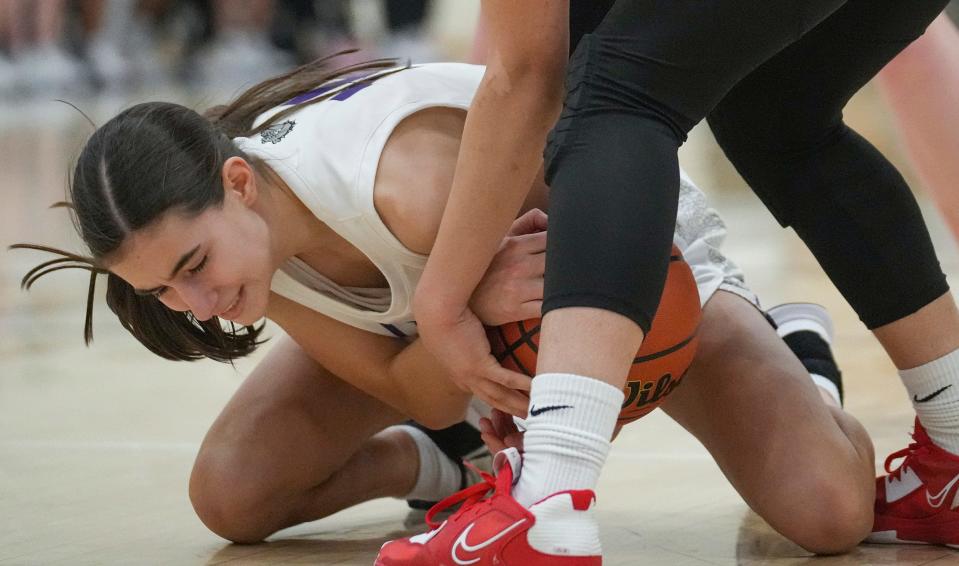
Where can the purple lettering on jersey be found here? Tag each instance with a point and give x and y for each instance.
(331, 85)
(350, 91)
(307, 96)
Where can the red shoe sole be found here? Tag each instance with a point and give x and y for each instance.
(931, 530)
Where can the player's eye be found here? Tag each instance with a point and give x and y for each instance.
(199, 267)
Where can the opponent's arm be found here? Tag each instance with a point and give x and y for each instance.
(501, 151)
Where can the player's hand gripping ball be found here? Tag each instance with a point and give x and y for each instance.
(662, 360)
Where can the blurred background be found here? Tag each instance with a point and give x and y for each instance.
(97, 47)
(96, 444)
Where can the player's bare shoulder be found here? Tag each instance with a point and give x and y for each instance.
(415, 173)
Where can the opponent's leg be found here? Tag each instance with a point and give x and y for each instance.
(804, 466)
(295, 444)
(782, 127)
(634, 89)
(856, 214)
(920, 87)
(820, 177)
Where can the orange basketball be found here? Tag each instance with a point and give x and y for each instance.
(662, 360)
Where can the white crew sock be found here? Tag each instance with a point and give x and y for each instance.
(934, 391)
(438, 476)
(571, 420)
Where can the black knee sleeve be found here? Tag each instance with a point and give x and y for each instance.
(614, 177)
(636, 87)
(856, 214)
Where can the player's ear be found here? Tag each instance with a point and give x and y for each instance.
(239, 178)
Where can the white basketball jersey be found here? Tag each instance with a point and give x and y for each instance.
(328, 153)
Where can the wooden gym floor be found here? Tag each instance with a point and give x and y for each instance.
(96, 444)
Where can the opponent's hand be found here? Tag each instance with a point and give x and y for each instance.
(499, 432)
(532, 221)
(512, 288)
(462, 348)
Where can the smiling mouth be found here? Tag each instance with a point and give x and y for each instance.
(233, 309)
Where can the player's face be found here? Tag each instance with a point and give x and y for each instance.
(217, 263)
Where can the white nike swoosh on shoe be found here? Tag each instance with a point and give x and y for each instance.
(896, 489)
(425, 537)
(938, 499)
(461, 542)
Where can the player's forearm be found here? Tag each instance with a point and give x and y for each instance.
(425, 392)
(500, 154)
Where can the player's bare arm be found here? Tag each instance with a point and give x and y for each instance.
(401, 374)
(517, 102)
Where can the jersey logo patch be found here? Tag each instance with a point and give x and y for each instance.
(277, 132)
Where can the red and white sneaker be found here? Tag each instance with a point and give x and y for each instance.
(917, 503)
(560, 530)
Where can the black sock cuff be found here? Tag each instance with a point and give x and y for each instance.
(816, 356)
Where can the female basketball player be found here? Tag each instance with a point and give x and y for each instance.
(316, 208)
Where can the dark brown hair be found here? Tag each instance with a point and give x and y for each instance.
(157, 157)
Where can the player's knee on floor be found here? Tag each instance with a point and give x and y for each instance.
(834, 521)
(230, 501)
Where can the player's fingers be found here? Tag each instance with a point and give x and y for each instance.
(492, 394)
(532, 243)
(514, 440)
(530, 287)
(502, 423)
(530, 309)
(519, 226)
(532, 221)
(486, 426)
(509, 379)
(537, 263)
(540, 219)
(493, 442)
(504, 398)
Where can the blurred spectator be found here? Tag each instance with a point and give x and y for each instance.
(219, 44)
(32, 31)
(120, 41)
(334, 29)
(7, 73)
(241, 51)
(408, 34)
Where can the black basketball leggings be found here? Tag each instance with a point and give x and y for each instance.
(772, 76)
